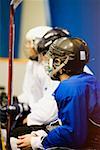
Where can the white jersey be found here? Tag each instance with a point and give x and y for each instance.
(37, 93)
(31, 86)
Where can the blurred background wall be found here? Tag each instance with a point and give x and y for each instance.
(18, 74)
(80, 17)
(33, 14)
(29, 13)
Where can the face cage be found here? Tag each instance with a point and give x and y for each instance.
(52, 66)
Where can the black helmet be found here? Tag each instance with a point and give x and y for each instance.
(69, 54)
(50, 37)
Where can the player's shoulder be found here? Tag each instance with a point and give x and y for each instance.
(78, 80)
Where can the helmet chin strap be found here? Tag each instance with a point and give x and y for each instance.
(61, 66)
(34, 43)
(34, 57)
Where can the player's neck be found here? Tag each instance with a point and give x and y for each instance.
(64, 76)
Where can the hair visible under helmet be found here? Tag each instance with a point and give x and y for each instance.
(68, 54)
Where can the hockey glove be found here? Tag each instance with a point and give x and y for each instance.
(18, 108)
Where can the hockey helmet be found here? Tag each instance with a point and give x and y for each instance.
(35, 34)
(68, 54)
(50, 37)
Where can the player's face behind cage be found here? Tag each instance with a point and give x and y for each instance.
(29, 49)
(69, 55)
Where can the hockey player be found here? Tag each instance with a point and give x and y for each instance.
(37, 83)
(37, 86)
(77, 97)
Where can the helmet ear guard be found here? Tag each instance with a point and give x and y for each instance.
(83, 51)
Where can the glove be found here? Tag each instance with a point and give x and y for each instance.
(37, 138)
(18, 108)
(3, 114)
(13, 110)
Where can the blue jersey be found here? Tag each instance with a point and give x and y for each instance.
(78, 99)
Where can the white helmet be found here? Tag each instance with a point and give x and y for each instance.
(37, 32)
